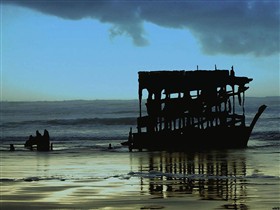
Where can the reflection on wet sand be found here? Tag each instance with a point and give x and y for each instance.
(209, 176)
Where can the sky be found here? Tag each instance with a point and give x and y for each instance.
(83, 50)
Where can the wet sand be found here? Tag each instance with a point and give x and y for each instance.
(228, 179)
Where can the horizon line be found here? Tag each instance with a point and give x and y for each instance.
(112, 99)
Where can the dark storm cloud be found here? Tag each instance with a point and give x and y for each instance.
(231, 27)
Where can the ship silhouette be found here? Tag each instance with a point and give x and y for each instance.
(191, 109)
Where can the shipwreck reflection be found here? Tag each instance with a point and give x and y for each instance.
(210, 176)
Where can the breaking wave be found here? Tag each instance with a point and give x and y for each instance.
(79, 121)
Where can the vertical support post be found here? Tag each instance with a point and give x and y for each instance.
(232, 74)
(140, 106)
(140, 101)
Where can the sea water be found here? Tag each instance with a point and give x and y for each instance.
(82, 173)
(70, 123)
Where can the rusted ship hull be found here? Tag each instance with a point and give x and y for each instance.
(192, 139)
(187, 110)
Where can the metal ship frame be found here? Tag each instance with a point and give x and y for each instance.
(191, 109)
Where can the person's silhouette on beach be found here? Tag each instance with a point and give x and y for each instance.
(12, 148)
(46, 135)
(38, 134)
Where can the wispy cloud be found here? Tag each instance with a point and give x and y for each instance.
(222, 27)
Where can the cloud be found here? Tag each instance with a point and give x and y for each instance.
(222, 27)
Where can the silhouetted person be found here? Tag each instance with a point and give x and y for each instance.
(46, 138)
(38, 134)
(110, 146)
(44, 142)
(46, 135)
(30, 141)
(12, 148)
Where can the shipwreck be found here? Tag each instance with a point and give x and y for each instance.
(191, 109)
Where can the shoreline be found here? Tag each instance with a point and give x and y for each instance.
(224, 179)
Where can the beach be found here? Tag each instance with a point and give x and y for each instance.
(116, 179)
(82, 173)
(140, 105)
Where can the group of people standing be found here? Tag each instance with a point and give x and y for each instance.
(41, 141)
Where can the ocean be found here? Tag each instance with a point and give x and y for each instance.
(82, 173)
